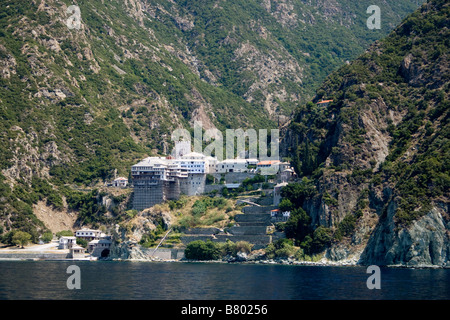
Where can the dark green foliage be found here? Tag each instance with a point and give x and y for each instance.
(249, 182)
(82, 242)
(282, 248)
(209, 179)
(17, 213)
(42, 189)
(66, 233)
(177, 204)
(199, 208)
(285, 205)
(298, 225)
(47, 237)
(202, 205)
(151, 238)
(201, 250)
(296, 193)
(322, 237)
(89, 210)
(218, 32)
(416, 167)
(345, 227)
(208, 250)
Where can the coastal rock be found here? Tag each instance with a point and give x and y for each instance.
(241, 257)
(256, 255)
(120, 251)
(337, 253)
(423, 244)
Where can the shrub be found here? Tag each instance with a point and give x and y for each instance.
(347, 225)
(208, 250)
(244, 246)
(64, 233)
(321, 238)
(7, 238)
(198, 208)
(282, 248)
(227, 248)
(47, 237)
(21, 238)
(286, 205)
(55, 200)
(210, 179)
(298, 225)
(131, 213)
(177, 204)
(82, 242)
(201, 250)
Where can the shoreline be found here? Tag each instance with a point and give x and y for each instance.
(37, 253)
(268, 262)
(282, 263)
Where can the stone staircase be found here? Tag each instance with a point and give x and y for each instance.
(251, 226)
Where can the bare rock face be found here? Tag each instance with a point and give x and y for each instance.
(409, 70)
(7, 63)
(423, 244)
(121, 251)
(270, 68)
(283, 11)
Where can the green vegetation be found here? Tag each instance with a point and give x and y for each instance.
(80, 104)
(90, 212)
(21, 238)
(402, 74)
(151, 239)
(47, 237)
(283, 248)
(296, 193)
(64, 233)
(208, 250)
(16, 207)
(201, 250)
(82, 242)
(248, 183)
(217, 34)
(203, 211)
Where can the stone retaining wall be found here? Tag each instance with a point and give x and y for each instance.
(253, 218)
(164, 253)
(259, 241)
(248, 230)
(34, 255)
(256, 209)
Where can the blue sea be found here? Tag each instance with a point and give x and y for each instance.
(120, 280)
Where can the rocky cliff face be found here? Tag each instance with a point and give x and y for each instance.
(424, 243)
(376, 153)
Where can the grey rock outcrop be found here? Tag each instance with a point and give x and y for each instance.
(425, 243)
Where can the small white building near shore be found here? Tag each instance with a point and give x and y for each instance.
(77, 252)
(66, 242)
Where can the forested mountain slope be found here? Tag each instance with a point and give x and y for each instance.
(376, 159)
(77, 104)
